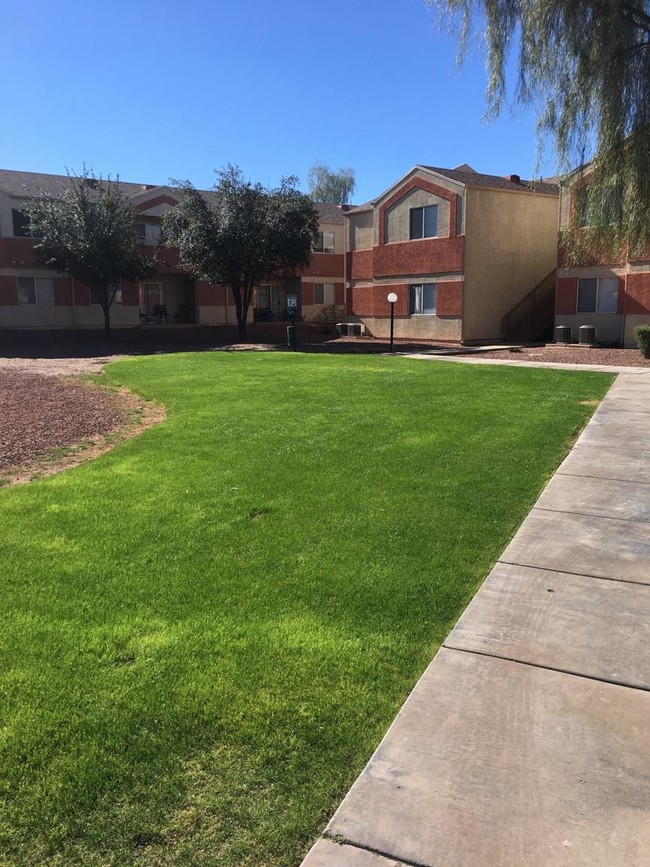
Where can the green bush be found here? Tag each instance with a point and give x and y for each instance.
(642, 335)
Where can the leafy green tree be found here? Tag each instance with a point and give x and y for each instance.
(326, 185)
(242, 233)
(89, 233)
(586, 65)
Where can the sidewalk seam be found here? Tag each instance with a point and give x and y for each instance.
(346, 842)
(565, 572)
(566, 671)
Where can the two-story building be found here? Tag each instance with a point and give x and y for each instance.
(610, 293)
(460, 249)
(31, 296)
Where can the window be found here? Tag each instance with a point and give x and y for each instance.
(598, 295)
(610, 200)
(423, 298)
(22, 224)
(139, 230)
(325, 243)
(98, 297)
(323, 293)
(424, 222)
(35, 290)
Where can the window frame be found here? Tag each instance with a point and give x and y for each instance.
(320, 247)
(18, 214)
(597, 309)
(423, 209)
(328, 290)
(417, 299)
(37, 291)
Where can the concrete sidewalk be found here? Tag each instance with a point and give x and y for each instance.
(527, 740)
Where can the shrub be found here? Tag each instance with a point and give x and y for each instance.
(642, 335)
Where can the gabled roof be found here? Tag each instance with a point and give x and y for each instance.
(495, 182)
(30, 184)
(329, 213)
(466, 176)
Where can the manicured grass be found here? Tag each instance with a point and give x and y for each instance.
(204, 633)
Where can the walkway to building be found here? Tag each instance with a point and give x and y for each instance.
(527, 740)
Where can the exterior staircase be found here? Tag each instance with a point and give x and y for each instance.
(533, 316)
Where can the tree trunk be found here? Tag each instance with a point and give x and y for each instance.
(241, 324)
(241, 310)
(107, 321)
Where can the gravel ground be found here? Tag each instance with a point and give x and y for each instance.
(38, 413)
(573, 355)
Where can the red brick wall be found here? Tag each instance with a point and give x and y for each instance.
(209, 294)
(361, 301)
(158, 200)
(130, 294)
(8, 291)
(339, 293)
(307, 290)
(428, 256)
(449, 299)
(566, 296)
(81, 294)
(360, 265)
(637, 299)
(325, 265)
(373, 300)
(18, 253)
(62, 291)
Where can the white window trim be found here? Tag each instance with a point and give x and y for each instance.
(421, 286)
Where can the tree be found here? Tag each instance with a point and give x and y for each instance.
(328, 186)
(586, 64)
(89, 233)
(242, 233)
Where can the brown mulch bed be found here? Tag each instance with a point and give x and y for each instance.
(39, 413)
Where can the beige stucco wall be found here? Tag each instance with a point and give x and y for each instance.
(609, 326)
(6, 218)
(361, 233)
(510, 246)
(339, 235)
(414, 327)
(397, 218)
(65, 316)
(217, 314)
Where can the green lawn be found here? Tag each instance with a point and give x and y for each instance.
(204, 633)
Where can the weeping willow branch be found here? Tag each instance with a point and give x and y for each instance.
(584, 65)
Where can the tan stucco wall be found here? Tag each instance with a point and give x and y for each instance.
(60, 316)
(217, 314)
(339, 235)
(361, 233)
(397, 218)
(414, 327)
(6, 218)
(609, 326)
(510, 246)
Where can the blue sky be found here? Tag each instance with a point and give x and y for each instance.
(152, 90)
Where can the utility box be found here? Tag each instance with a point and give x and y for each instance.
(587, 335)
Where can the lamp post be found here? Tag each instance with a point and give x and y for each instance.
(392, 298)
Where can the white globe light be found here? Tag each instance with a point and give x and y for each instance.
(391, 297)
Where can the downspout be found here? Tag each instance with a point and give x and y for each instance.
(74, 302)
